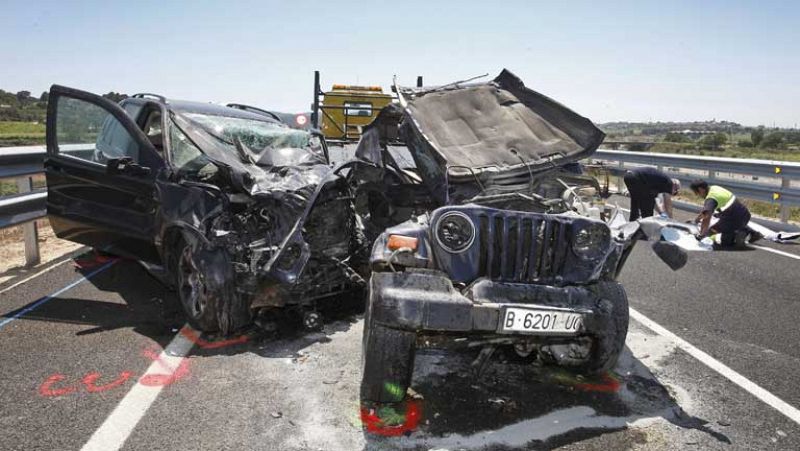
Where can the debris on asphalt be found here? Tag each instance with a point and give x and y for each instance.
(276, 414)
(413, 394)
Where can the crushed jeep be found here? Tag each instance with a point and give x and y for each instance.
(240, 213)
(493, 239)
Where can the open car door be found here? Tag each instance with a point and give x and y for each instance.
(101, 172)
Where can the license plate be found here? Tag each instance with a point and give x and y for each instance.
(541, 321)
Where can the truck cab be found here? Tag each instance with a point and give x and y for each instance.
(347, 108)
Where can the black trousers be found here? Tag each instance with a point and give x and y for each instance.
(643, 202)
(731, 221)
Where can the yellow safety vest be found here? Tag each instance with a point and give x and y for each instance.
(723, 197)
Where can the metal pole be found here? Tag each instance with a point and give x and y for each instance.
(784, 206)
(29, 230)
(315, 105)
(620, 183)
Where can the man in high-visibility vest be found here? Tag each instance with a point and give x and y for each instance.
(733, 215)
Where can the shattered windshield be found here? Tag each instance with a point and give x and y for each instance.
(267, 143)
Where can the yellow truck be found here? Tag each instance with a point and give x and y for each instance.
(345, 109)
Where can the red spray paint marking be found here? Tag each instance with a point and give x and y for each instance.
(46, 389)
(609, 384)
(375, 425)
(174, 375)
(192, 336)
(170, 376)
(95, 260)
(89, 381)
(156, 380)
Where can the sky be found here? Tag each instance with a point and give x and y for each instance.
(609, 61)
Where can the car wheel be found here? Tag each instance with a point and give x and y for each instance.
(607, 347)
(387, 361)
(195, 296)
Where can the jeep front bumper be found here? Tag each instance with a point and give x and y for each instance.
(428, 302)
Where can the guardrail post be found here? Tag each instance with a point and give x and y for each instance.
(620, 182)
(712, 174)
(784, 206)
(29, 230)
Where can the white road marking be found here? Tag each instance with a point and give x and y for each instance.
(43, 300)
(775, 251)
(749, 386)
(111, 435)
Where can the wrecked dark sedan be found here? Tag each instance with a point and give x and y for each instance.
(494, 242)
(240, 213)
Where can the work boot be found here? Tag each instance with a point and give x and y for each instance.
(740, 238)
(754, 236)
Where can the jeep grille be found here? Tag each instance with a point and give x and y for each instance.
(522, 248)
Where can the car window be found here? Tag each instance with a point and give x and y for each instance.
(132, 109)
(152, 129)
(87, 131)
(358, 109)
(269, 143)
(186, 157)
(153, 125)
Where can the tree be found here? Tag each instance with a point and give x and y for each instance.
(756, 136)
(745, 143)
(23, 96)
(774, 140)
(714, 142)
(673, 137)
(43, 98)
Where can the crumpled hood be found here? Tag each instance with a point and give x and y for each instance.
(498, 124)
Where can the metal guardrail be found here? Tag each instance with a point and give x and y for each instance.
(721, 171)
(23, 209)
(21, 163)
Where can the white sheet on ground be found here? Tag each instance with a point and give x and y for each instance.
(685, 240)
(778, 237)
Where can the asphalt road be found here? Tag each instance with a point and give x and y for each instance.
(83, 365)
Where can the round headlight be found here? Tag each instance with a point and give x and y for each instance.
(591, 240)
(455, 232)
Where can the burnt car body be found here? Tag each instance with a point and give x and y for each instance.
(493, 242)
(237, 211)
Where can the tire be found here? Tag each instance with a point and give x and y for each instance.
(387, 361)
(196, 299)
(606, 350)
